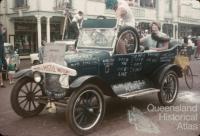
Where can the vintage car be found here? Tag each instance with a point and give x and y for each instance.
(97, 69)
(9, 52)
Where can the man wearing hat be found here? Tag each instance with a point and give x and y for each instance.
(2, 54)
(73, 31)
(157, 40)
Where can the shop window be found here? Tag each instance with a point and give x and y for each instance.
(20, 3)
(110, 4)
(168, 29)
(148, 3)
(168, 7)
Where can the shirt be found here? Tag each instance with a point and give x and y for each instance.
(128, 19)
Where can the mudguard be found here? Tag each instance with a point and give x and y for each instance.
(23, 73)
(160, 72)
(106, 89)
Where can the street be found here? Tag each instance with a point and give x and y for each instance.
(139, 116)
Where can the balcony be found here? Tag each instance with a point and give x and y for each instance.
(21, 4)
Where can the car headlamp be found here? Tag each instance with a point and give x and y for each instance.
(37, 77)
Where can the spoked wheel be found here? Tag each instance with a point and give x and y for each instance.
(24, 97)
(169, 88)
(85, 109)
(128, 40)
(188, 75)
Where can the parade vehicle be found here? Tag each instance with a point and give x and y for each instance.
(96, 69)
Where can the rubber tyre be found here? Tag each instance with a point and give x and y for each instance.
(165, 88)
(188, 75)
(16, 104)
(70, 110)
(136, 36)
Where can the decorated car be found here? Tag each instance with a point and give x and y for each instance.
(79, 80)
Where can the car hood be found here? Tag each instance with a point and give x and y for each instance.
(86, 56)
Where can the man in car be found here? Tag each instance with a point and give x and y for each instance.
(157, 40)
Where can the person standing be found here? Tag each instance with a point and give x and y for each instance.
(75, 25)
(124, 13)
(41, 51)
(11, 69)
(2, 54)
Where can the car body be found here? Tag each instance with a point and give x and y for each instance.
(9, 52)
(95, 69)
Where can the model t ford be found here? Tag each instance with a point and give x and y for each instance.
(93, 70)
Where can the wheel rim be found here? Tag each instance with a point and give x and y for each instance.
(188, 77)
(87, 109)
(28, 96)
(134, 48)
(169, 88)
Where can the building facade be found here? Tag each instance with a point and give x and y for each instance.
(29, 22)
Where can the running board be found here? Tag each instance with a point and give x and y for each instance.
(139, 93)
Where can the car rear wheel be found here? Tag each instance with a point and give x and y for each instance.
(168, 88)
(25, 97)
(85, 110)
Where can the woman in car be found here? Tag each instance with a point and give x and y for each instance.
(157, 40)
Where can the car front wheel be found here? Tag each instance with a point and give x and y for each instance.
(85, 109)
(25, 97)
(168, 88)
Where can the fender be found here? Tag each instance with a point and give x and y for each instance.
(160, 72)
(106, 89)
(23, 73)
